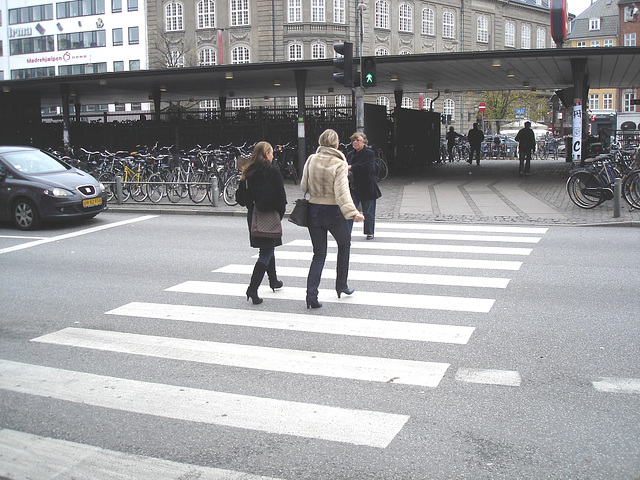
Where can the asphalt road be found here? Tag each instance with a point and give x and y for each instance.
(464, 353)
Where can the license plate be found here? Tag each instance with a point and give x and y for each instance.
(92, 202)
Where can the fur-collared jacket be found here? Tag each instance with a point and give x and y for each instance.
(325, 178)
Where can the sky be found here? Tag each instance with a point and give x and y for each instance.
(578, 6)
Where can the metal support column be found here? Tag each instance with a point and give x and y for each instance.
(301, 82)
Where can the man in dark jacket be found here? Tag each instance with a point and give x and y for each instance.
(527, 144)
(364, 187)
(475, 138)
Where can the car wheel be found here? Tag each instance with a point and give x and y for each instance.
(25, 215)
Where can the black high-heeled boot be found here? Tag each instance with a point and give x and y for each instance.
(271, 273)
(313, 303)
(256, 280)
(346, 291)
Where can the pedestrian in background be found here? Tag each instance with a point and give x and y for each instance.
(451, 137)
(526, 145)
(475, 138)
(325, 178)
(262, 187)
(364, 187)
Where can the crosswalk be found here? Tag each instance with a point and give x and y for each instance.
(445, 261)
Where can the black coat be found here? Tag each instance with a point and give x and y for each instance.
(265, 189)
(363, 164)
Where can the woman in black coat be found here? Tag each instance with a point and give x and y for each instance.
(261, 186)
(364, 187)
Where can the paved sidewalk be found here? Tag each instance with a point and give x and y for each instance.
(491, 193)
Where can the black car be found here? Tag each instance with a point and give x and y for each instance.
(35, 186)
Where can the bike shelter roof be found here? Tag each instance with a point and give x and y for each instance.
(548, 69)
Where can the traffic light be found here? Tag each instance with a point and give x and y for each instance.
(343, 64)
(369, 75)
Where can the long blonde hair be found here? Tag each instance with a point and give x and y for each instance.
(258, 159)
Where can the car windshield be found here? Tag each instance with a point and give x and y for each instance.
(33, 161)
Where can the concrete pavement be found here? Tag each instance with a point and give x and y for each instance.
(491, 193)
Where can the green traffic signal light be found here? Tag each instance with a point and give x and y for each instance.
(369, 76)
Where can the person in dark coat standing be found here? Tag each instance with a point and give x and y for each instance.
(261, 187)
(451, 137)
(364, 187)
(526, 145)
(475, 138)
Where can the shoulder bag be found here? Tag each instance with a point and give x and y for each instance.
(265, 224)
(300, 213)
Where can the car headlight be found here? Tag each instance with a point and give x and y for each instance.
(102, 189)
(56, 192)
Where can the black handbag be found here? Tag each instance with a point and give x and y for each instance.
(300, 213)
(266, 224)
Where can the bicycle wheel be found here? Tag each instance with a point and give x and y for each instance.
(198, 187)
(576, 188)
(631, 188)
(108, 179)
(137, 187)
(175, 188)
(155, 188)
(293, 171)
(381, 167)
(229, 192)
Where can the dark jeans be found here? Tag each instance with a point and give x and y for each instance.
(323, 219)
(265, 255)
(369, 212)
(477, 151)
(525, 156)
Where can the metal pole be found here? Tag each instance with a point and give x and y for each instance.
(119, 195)
(215, 191)
(617, 194)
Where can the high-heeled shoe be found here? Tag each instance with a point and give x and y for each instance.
(275, 284)
(346, 291)
(253, 295)
(313, 304)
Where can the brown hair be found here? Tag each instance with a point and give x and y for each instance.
(257, 160)
(362, 136)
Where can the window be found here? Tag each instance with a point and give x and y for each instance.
(317, 11)
(134, 36)
(319, 100)
(134, 65)
(339, 13)
(295, 52)
(594, 101)
(428, 22)
(380, 52)
(175, 59)
(629, 39)
(318, 51)
(594, 43)
(382, 14)
(239, 12)
(525, 39)
(116, 6)
(627, 102)
(117, 36)
(509, 35)
(293, 102)
(426, 103)
(118, 66)
(608, 42)
(382, 100)
(75, 41)
(206, 16)
(173, 17)
(404, 52)
(240, 55)
(241, 103)
(132, 6)
(82, 69)
(79, 8)
(295, 11)
(209, 104)
(594, 24)
(483, 30)
(19, 46)
(541, 38)
(449, 108)
(341, 101)
(23, 73)
(607, 101)
(448, 25)
(581, 44)
(207, 56)
(405, 21)
(36, 13)
(407, 102)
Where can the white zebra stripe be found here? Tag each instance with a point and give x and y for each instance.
(453, 236)
(617, 385)
(359, 427)
(382, 299)
(360, 327)
(378, 276)
(462, 228)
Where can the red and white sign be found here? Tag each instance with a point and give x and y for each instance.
(482, 106)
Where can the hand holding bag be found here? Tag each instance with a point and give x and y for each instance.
(300, 213)
(265, 224)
